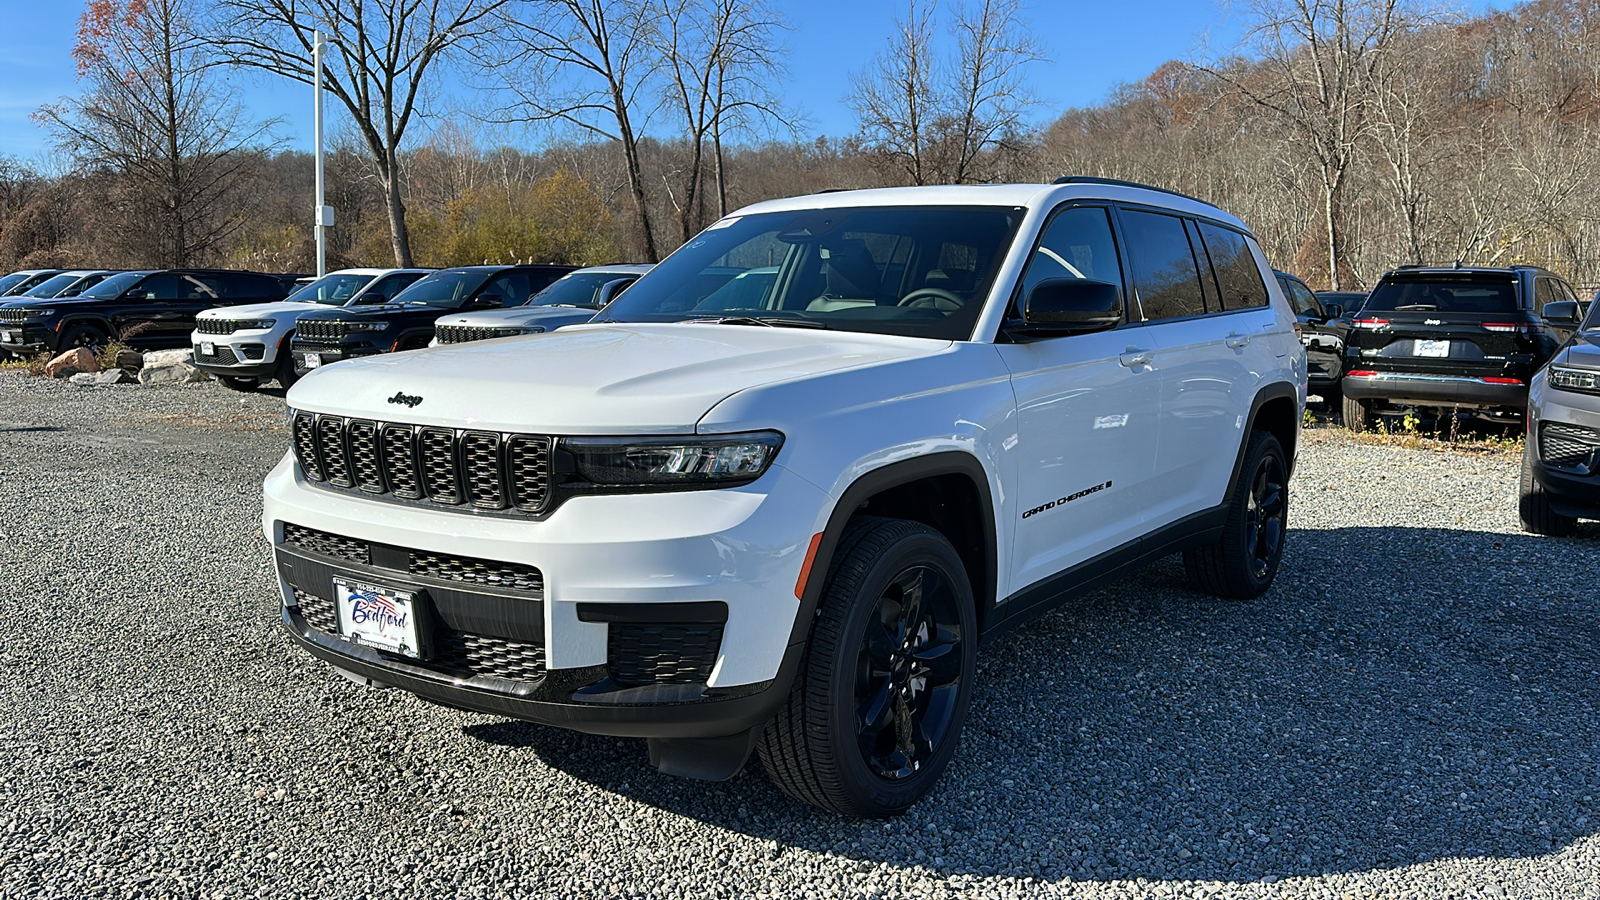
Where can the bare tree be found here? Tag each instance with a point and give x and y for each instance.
(383, 55)
(587, 64)
(938, 120)
(156, 115)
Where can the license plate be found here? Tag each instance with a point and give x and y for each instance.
(313, 360)
(9, 337)
(379, 617)
(208, 348)
(1434, 349)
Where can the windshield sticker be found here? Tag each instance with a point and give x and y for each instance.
(723, 223)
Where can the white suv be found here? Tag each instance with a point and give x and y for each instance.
(790, 526)
(247, 346)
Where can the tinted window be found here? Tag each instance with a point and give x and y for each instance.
(387, 286)
(1076, 244)
(444, 289)
(580, 289)
(918, 272)
(114, 286)
(205, 287)
(1444, 293)
(1544, 291)
(51, 286)
(331, 289)
(1238, 276)
(1300, 297)
(11, 281)
(1166, 279)
(512, 288)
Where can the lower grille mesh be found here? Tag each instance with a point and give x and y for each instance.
(639, 654)
(1567, 446)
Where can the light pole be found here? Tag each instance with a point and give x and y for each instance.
(323, 213)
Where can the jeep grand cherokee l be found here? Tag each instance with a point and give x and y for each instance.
(1450, 339)
(1561, 457)
(788, 527)
(406, 322)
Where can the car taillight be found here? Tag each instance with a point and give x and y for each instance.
(1510, 327)
(1369, 323)
(1361, 373)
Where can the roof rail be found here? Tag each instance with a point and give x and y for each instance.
(1118, 182)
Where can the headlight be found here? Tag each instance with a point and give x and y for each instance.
(1564, 378)
(255, 324)
(686, 460)
(39, 313)
(365, 326)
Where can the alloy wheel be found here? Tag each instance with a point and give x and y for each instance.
(1264, 516)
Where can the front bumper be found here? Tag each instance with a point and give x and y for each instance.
(249, 354)
(609, 567)
(25, 339)
(1420, 389)
(1564, 437)
(330, 352)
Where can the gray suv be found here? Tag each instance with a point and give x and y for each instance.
(1561, 461)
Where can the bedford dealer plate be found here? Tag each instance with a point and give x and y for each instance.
(208, 348)
(8, 336)
(378, 617)
(313, 360)
(1434, 349)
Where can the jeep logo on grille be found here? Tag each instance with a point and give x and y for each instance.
(409, 400)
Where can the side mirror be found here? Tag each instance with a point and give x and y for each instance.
(1561, 312)
(611, 290)
(1058, 306)
(488, 301)
(1333, 310)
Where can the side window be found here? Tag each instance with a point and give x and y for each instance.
(1300, 297)
(512, 288)
(1544, 292)
(198, 287)
(1237, 274)
(1076, 244)
(157, 287)
(1165, 276)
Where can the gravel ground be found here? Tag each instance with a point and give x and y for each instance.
(1409, 713)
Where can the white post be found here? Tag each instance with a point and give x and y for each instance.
(320, 226)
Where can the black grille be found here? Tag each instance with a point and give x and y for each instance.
(460, 334)
(512, 576)
(253, 351)
(467, 469)
(456, 652)
(216, 326)
(314, 541)
(639, 654)
(222, 357)
(1568, 446)
(319, 329)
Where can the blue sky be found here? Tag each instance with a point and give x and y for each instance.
(1092, 47)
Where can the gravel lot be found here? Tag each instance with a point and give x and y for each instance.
(1410, 712)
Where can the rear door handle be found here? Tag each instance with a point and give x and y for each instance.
(1135, 357)
(1237, 340)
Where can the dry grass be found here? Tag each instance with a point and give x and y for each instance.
(1444, 435)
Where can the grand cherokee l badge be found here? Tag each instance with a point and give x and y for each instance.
(408, 399)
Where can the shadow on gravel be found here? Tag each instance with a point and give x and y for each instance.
(1402, 695)
(28, 429)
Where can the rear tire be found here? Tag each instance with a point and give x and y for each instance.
(83, 336)
(242, 385)
(1533, 504)
(875, 711)
(1357, 413)
(1244, 561)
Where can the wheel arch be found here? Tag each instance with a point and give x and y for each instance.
(1276, 410)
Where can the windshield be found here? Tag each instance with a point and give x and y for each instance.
(114, 286)
(1444, 293)
(444, 289)
(581, 289)
(10, 281)
(332, 290)
(913, 271)
(53, 285)
(1591, 322)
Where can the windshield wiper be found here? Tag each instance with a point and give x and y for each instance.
(768, 321)
(1416, 307)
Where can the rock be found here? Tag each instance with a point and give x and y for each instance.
(169, 357)
(84, 378)
(131, 360)
(72, 362)
(170, 373)
(116, 376)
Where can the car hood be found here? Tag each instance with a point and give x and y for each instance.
(590, 379)
(551, 317)
(262, 310)
(1583, 351)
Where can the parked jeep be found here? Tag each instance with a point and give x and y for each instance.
(788, 527)
(1561, 457)
(572, 299)
(1322, 333)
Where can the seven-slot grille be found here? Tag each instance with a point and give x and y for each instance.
(460, 334)
(319, 329)
(216, 326)
(1567, 446)
(13, 315)
(450, 467)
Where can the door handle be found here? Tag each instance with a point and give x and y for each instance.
(1135, 357)
(1236, 341)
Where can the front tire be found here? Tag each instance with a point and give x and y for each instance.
(1533, 504)
(86, 336)
(285, 373)
(875, 712)
(1244, 561)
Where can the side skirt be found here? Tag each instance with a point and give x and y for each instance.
(1049, 594)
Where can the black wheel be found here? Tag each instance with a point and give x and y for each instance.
(1533, 504)
(1243, 562)
(83, 336)
(243, 385)
(876, 710)
(1357, 413)
(285, 372)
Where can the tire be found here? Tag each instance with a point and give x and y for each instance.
(242, 385)
(1243, 562)
(1533, 504)
(1357, 413)
(285, 372)
(826, 746)
(83, 336)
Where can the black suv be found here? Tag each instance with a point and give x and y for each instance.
(406, 323)
(1322, 333)
(1462, 338)
(147, 309)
